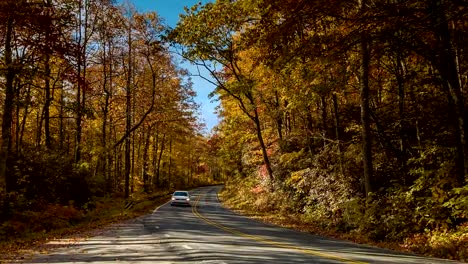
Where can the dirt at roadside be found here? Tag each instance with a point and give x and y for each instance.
(21, 253)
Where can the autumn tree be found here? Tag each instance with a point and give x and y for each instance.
(95, 104)
(364, 100)
(207, 36)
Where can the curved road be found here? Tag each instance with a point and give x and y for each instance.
(208, 233)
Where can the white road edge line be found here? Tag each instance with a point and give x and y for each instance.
(187, 247)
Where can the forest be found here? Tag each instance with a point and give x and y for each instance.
(96, 112)
(347, 115)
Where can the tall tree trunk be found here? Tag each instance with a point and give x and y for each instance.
(8, 106)
(365, 108)
(401, 76)
(128, 112)
(48, 99)
(62, 112)
(112, 175)
(79, 106)
(133, 164)
(85, 70)
(105, 111)
(48, 141)
(445, 62)
(108, 162)
(79, 117)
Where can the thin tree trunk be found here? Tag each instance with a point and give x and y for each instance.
(39, 121)
(154, 162)
(61, 129)
(118, 168)
(136, 157)
(158, 170)
(256, 119)
(278, 116)
(133, 142)
(145, 161)
(190, 161)
(48, 141)
(18, 123)
(337, 132)
(401, 76)
(48, 99)
(309, 126)
(170, 163)
(262, 145)
(287, 119)
(365, 108)
(23, 125)
(112, 155)
(324, 107)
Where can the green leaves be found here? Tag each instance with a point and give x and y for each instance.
(206, 32)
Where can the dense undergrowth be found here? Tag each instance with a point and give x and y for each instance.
(391, 221)
(27, 230)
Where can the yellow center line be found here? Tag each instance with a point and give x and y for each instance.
(268, 241)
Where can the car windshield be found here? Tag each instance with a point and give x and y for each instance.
(180, 194)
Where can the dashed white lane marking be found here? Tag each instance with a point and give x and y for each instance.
(167, 235)
(187, 247)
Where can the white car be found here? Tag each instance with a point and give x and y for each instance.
(180, 198)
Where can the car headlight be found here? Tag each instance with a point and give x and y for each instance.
(188, 199)
(172, 198)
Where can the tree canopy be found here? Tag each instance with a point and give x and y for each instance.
(93, 105)
(349, 113)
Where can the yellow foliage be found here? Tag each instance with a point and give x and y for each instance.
(296, 177)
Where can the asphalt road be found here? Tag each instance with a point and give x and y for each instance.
(208, 233)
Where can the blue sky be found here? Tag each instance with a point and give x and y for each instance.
(170, 10)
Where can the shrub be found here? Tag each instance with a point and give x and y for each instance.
(49, 218)
(51, 177)
(443, 244)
